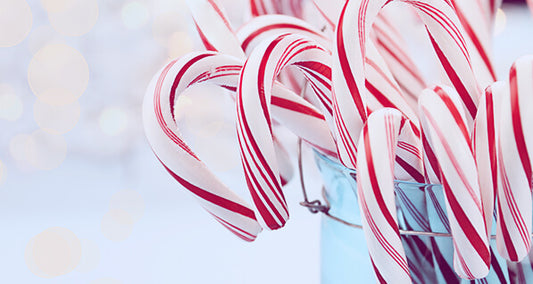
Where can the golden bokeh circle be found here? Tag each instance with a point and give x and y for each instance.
(58, 74)
(15, 22)
(117, 225)
(45, 151)
(56, 119)
(55, 251)
(11, 106)
(73, 17)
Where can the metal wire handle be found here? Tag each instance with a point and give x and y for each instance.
(316, 206)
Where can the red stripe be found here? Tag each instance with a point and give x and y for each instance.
(517, 124)
(255, 189)
(159, 116)
(476, 41)
(454, 112)
(205, 41)
(378, 192)
(509, 244)
(491, 136)
(412, 171)
(296, 107)
(220, 14)
(389, 249)
(464, 222)
(453, 159)
(210, 197)
(455, 79)
(347, 70)
(269, 27)
(513, 207)
(234, 229)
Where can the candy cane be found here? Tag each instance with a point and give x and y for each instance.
(217, 34)
(451, 145)
(287, 7)
(375, 190)
(478, 28)
(260, 28)
(348, 77)
(485, 149)
(393, 48)
(383, 88)
(253, 113)
(214, 27)
(183, 163)
(515, 148)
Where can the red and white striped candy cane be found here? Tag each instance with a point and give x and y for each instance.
(478, 28)
(182, 162)
(383, 88)
(260, 28)
(293, 8)
(214, 27)
(394, 50)
(484, 142)
(375, 190)
(391, 46)
(217, 34)
(515, 148)
(445, 125)
(350, 50)
(254, 117)
(185, 166)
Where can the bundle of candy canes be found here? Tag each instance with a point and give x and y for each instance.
(371, 109)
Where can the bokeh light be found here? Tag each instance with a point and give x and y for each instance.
(55, 251)
(17, 147)
(90, 256)
(15, 22)
(179, 43)
(134, 15)
(130, 201)
(11, 106)
(45, 151)
(56, 6)
(113, 120)
(165, 25)
(72, 17)
(117, 225)
(41, 36)
(58, 74)
(56, 119)
(201, 109)
(500, 23)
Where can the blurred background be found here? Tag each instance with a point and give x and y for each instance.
(82, 197)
